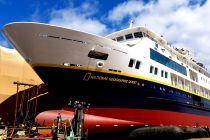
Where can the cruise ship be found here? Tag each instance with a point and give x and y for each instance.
(132, 75)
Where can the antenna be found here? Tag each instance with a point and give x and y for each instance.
(131, 23)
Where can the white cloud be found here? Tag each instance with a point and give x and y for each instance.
(80, 18)
(125, 9)
(35, 17)
(4, 43)
(182, 24)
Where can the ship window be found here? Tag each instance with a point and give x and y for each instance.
(154, 55)
(166, 74)
(98, 55)
(171, 91)
(162, 73)
(131, 62)
(53, 36)
(151, 69)
(164, 89)
(128, 36)
(120, 38)
(156, 70)
(138, 34)
(138, 64)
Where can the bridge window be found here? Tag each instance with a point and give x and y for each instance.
(128, 36)
(156, 56)
(120, 38)
(138, 35)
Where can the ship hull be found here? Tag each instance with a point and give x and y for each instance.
(80, 66)
(111, 94)
(99, 120)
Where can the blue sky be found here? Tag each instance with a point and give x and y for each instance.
(183, 23)
(41, 11)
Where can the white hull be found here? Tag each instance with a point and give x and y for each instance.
(36, 48)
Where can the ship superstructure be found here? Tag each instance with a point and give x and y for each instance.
(133, 70)
(164, 62)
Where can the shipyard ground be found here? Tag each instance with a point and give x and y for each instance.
(157, 132)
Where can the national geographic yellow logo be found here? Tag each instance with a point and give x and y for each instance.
(89, 76)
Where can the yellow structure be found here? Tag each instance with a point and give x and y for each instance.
(14, 68)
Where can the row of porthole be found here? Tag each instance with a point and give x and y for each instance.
(73, 40)
(64, 38)
(170, 91)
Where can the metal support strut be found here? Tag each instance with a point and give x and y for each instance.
(78, 121)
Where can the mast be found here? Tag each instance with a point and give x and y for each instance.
(131, 23)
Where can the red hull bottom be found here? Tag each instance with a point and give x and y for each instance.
(117, 119)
